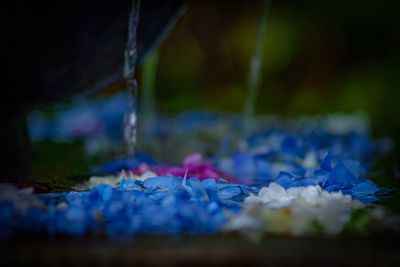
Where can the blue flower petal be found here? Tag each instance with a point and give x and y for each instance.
(162, 183)
(228, 192)
(285, 179)
(364, 189)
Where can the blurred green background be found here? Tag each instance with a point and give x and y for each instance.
(319, 57)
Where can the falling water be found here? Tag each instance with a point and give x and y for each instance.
(130, 121)
(254, 72)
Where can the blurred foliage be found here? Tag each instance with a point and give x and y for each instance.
(320, 57)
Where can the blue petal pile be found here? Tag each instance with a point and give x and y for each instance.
(159, 205)
(334, 152)
(306, 156)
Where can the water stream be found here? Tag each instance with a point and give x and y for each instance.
(254, 78)
(130, 121)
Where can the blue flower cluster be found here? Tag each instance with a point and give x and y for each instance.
(159, 205)
(300, 157)
(334, 152)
